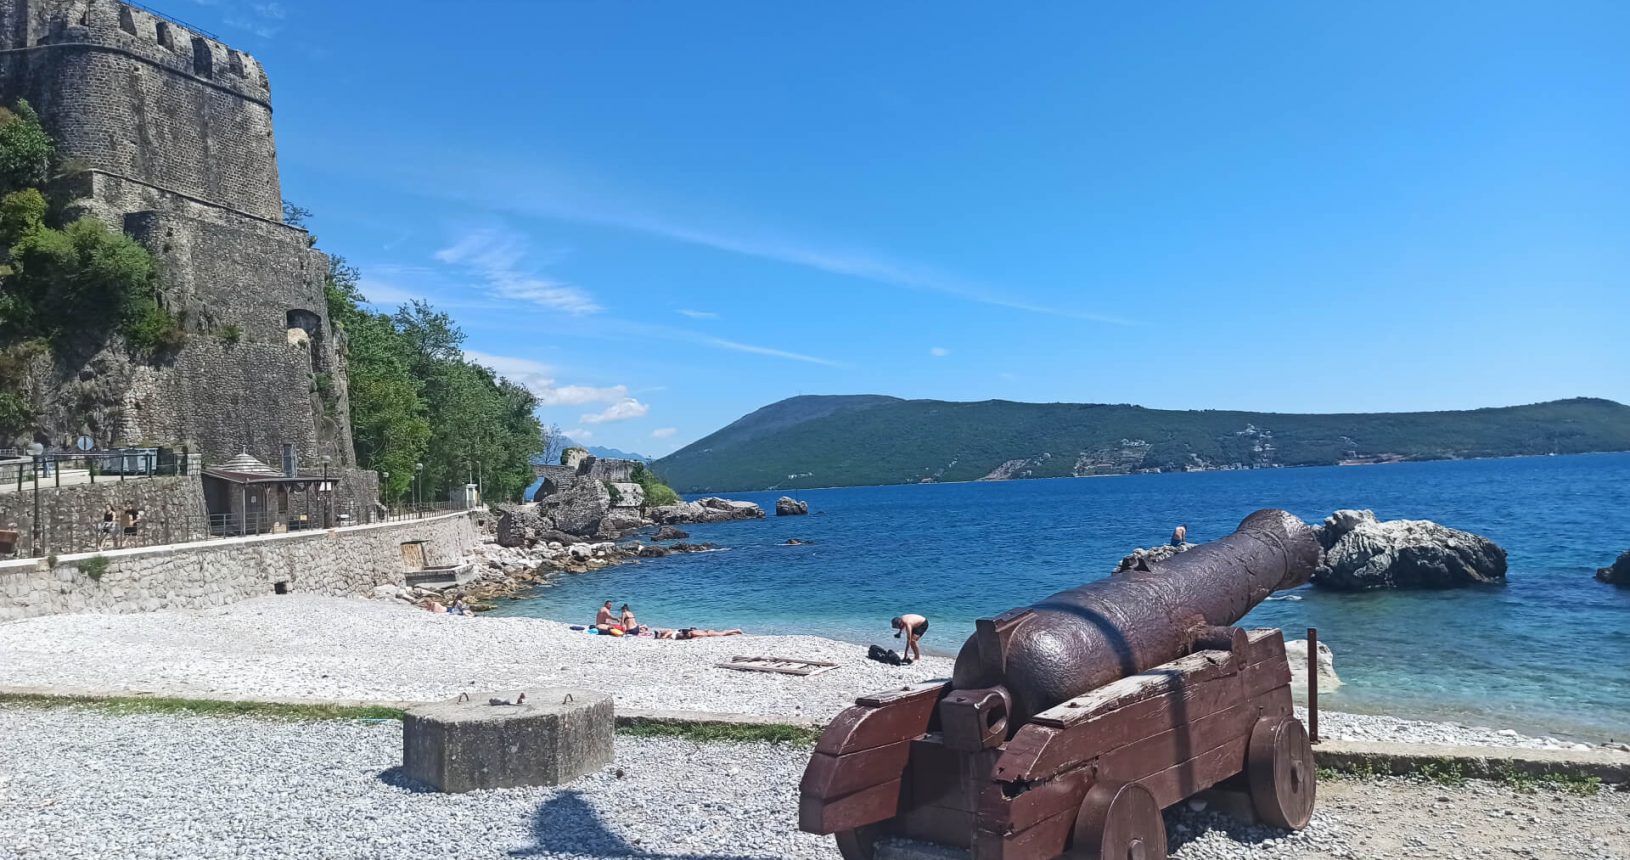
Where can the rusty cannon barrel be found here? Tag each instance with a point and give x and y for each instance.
(1027, 660)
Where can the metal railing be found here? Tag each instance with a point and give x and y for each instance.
(160, 529)
(33, 471)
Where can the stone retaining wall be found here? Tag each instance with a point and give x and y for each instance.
(71, 516)
(337, 562)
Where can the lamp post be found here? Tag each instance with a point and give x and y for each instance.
(417, 469)
(328, 496)
(384, 485)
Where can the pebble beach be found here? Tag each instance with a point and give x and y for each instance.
(311, 648)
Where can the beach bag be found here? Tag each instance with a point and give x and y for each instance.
(881, 655)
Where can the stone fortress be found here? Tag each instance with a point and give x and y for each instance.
(169, 136)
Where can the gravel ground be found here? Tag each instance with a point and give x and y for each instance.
(308, 647)
(312, 648)
(88, 785)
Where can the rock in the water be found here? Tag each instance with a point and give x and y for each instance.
(1296, 652)
(797, 542)
(653, 551)
(708, 510)
(692, 547)
(521, 525)
(670, 533)
(620, 521)
(1362, 553)
(786, 506)
(1617, 573)
(1143, 559)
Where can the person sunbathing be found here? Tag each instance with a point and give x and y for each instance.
(691, 633)
(629, 623)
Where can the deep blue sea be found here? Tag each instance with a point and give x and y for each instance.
(1549, 651)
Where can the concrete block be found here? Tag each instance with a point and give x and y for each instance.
(557, 735)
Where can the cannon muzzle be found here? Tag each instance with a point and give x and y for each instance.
(1029, 659)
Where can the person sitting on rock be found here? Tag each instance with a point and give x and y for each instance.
(629, 623)
(1180, 535)
(603, 620)
(913, 627)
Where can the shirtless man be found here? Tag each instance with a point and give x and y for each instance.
(913, 626)
(1180, 535)
(603, 620)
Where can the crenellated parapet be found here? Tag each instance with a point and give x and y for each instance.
(138, 96)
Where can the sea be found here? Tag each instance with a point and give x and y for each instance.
(1548, 652)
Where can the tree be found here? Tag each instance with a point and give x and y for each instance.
(26, 151)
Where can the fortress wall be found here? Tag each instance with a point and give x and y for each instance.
(281, 380)
(336, 562)
(191, 114)
(71, 517)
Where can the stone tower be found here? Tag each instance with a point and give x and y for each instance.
(170, 135)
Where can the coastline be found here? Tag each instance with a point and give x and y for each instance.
(306, 648)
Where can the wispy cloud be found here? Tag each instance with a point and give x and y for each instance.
(623, 410)
(569, 204)
(699, 315)
(260, 17)
(737, 346)
(664, 432)
(938, 351)
(539, 379)
(578, 434)
(499, 257)
(380, 292)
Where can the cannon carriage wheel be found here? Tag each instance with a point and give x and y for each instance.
(1279, 768)
(1119, 821)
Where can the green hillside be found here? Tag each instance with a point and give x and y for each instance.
(816, 441)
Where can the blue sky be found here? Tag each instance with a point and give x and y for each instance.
(661, 216)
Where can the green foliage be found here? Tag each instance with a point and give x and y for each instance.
(232, 332)
(26, 150)
(16, 415)
(416, 399)
(203, 707)
(94, 567)
(1445, 772)
(850, 441)
(657, 494)
(719, 732)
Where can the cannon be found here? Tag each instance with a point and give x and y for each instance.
(1069, 725)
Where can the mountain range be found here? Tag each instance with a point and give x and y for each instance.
(855, 440)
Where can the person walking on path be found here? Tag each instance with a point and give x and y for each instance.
(912, 627)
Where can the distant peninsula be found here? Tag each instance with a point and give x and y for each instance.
(864, 440)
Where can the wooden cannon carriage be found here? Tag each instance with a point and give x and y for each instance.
(1070, 724)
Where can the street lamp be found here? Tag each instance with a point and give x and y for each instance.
(417, 468)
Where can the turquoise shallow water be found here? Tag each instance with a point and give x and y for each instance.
(1550, 651)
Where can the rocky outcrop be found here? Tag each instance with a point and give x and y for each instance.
(1362, 553)
(1143, 559)
(521, 526)
(579, 507)
(708, 510)
(787, 506)
(1617, 573)
(1296, 652)
(670, 533)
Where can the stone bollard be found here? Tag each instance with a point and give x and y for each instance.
(553, 736)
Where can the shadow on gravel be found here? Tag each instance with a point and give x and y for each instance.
(1184, 826)
(567, 824)
(396, 777)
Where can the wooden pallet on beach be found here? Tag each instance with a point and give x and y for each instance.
(777, 665)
